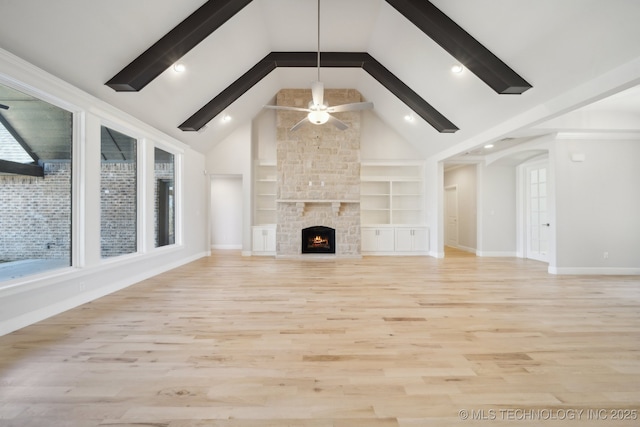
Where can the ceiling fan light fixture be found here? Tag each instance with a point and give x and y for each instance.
(318, 117)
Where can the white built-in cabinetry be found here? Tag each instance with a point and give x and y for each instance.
(264, 239)
(392, 212)
(264, 215)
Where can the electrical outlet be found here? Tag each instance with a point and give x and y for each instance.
(605, 255)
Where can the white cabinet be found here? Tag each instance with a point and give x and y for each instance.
(264, 240)
(392, 211)
(395, 240)
(377, 240)
(412, 240)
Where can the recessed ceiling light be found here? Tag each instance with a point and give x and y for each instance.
(457, 68)
(488, 146)
(179, 67)
(408, 118)
(226, 118)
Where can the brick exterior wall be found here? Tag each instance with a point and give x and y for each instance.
(327, 158)
(35, 219)
(118, 208)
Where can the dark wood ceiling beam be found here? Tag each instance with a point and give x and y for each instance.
(234, 91)
(180, 40)
(409, 97)
(461, 45)
(7, 166)
(310, 59)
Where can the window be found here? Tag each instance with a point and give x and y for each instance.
(164, 198)
(118, 194)
(35, 185)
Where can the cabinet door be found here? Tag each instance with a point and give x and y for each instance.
(412, 239)
(421, 239)
(404, 239)
(385, 240)
(369, 239)
(270, 239)
(264, 239)
(258, 239)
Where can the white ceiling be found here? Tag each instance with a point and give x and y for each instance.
(573, 52)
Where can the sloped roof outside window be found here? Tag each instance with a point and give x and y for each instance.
(10, 149)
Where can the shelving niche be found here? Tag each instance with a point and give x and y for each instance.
(265, 194)
(392, 194)
(392, 210)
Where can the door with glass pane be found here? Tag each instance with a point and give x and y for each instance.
(537, 219)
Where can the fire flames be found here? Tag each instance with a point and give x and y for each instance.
(319, 241)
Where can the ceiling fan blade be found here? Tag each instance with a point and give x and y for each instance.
(351, 107)
(4, 107)
(317, 93)
(300, 124)
(284, 107)
(337, 123)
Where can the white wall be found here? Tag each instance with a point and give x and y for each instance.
(597, 206)
(497, 210)
(464, 178)
(30, 299)
(378, 141)
(226, 212)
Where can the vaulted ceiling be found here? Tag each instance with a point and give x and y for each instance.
(571, 52)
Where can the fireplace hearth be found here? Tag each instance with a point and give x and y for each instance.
(319, 240)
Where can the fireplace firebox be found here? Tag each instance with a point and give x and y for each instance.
(318, 240)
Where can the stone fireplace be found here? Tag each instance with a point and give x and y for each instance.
(318, 175)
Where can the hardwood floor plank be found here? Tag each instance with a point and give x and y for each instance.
(232, 341)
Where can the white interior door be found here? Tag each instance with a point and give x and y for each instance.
(451, 216)
(537, 219)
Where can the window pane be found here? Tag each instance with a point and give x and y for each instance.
(35, 185)
(165, 198)
(118, 194)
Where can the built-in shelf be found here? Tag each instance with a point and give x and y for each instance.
(392, 193)
(265, 190)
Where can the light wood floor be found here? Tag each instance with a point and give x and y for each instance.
(231, 341)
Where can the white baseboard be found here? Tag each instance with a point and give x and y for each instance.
(226, 247)
(595, 271)
(507, 254)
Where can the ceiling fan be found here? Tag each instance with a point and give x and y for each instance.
(319, 112)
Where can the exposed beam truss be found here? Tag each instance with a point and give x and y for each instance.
(327, 59)
(422, 13)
